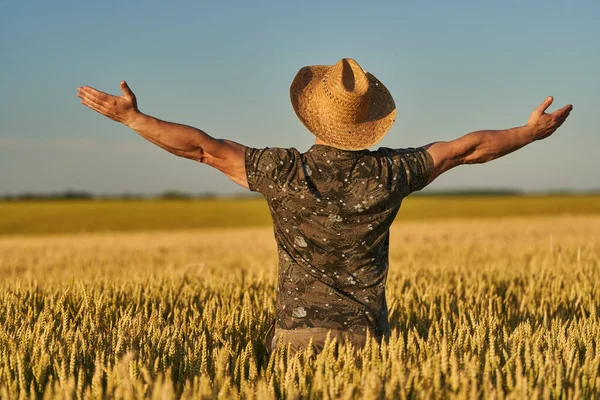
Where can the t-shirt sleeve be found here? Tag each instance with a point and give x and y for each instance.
(414, 167)
(268, 169)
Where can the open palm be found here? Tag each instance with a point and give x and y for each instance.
(544, 124)
(118, 108)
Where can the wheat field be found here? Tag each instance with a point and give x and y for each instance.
(485, 308)
(84, 216)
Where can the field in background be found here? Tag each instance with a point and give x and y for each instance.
(493, 307)
(38, 217)
(478, 308)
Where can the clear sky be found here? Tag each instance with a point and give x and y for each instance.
(226, 66)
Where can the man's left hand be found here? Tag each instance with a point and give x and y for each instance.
(122, 109)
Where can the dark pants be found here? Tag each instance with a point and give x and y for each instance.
(298, 339)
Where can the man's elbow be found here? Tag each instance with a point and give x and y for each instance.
(215, 153)
(200, 155)
(196, 153)
(479, 156)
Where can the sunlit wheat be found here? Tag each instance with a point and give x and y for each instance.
(497, 308)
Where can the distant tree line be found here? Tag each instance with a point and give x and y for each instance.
(83, 195)
(66, 195)
(471, 192)
(178, 195)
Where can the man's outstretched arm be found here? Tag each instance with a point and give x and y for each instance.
(487, 145)
(182, 140)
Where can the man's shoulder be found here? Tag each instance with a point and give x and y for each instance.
(275, 150)
(281, 154)
(396, 150)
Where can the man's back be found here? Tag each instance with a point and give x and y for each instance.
(332, 210)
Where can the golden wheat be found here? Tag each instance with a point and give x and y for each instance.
(497, 308)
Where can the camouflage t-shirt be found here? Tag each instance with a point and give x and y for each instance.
(331, 211)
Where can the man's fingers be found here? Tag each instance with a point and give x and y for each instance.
(91, 100)
(95, 95)
(90, 91)
(544, 106)
(562, 118)
(95, 106)
(126, 90)
(563, 111)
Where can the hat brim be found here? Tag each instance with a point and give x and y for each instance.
(322, 123)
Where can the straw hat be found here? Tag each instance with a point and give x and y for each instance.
(343, 105)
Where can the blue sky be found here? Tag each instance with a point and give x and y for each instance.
(226, 67)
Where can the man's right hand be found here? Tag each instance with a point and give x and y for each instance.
(122, 109)
(487, 145)
(543, 125)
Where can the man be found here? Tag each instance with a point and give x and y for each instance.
(332, 206)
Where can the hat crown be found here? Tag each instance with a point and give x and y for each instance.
(347, 85)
